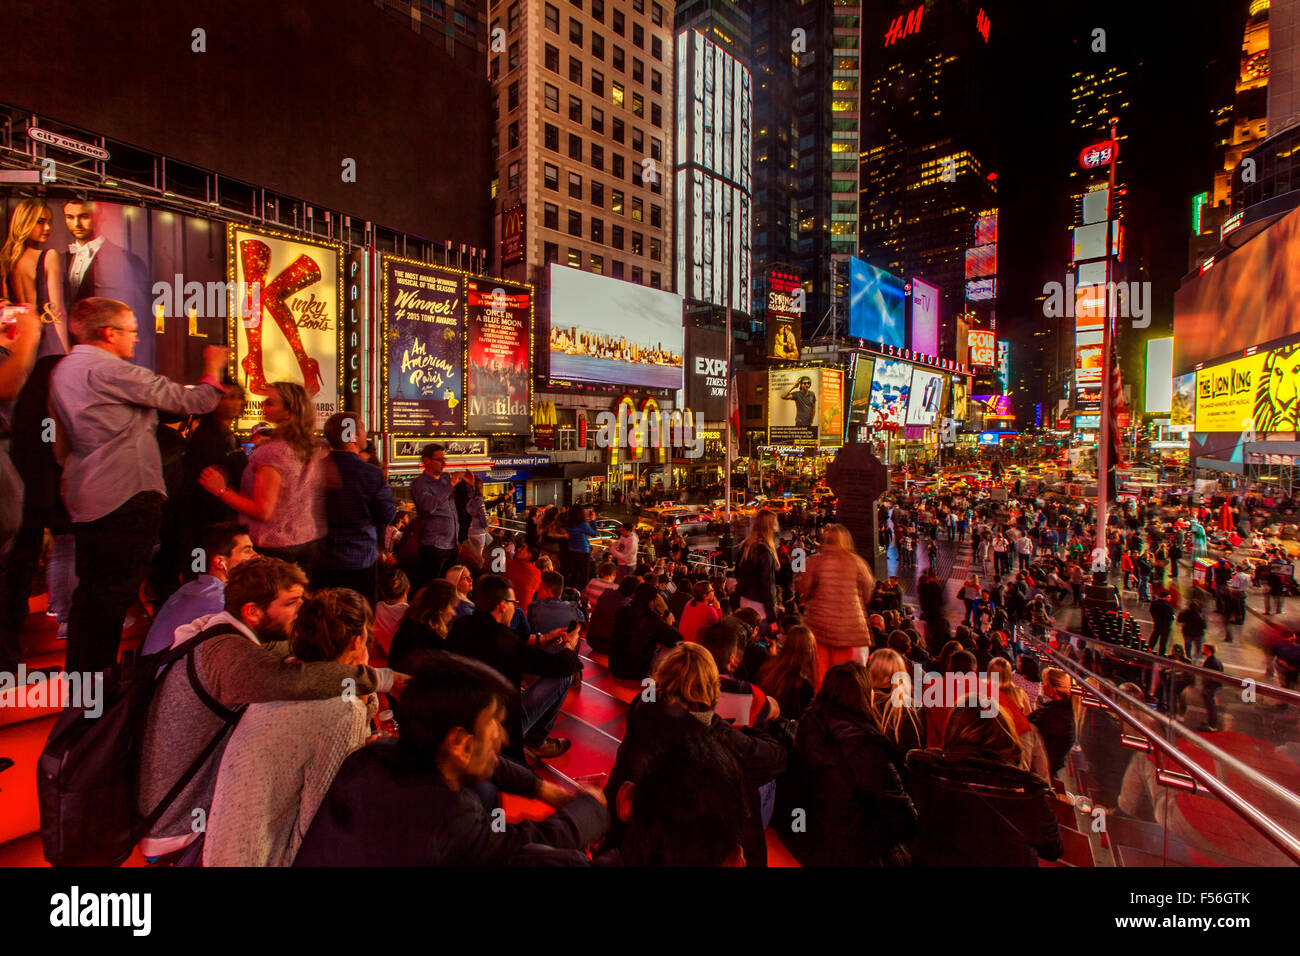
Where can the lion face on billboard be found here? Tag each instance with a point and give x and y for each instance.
(1277, 402)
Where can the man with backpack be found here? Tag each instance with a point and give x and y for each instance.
(240, 659)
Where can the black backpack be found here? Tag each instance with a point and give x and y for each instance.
(88, 775)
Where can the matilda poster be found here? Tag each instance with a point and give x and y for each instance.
(424, 323)
(499, 337)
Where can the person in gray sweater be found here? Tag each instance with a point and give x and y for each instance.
(245, 666)
(283, 755)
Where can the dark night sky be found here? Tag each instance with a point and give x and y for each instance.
(1185, 57)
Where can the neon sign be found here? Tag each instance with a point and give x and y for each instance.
(1098, 154)
(903, 27)
(982, 24)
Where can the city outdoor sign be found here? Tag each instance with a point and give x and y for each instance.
(1098, 154)
(67, 143)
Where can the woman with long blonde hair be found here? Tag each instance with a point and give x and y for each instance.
(836, 588)
(282, 491)
(757, 569)
(891, 700)
(35, 275)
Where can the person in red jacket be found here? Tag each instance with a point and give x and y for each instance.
(523, 574)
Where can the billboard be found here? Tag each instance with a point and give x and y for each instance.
(169, 268)
(292, 333)
(986, 229)
(1247, 298)
(498, 379)
(959, 397)
(831, 424)
(983, 347)
(979, 290)
(925, 317)
(924, 400)
(1182, 405)
(860, 403)
(1004, 364)
(512, 236)
(1259, 392)
(890, 388)
(1087, 357)
(424, 347)
(610, 332)
(876, 305)
(1160, 375)
(785, 299)
(706, 373)
(794, 406)
(982, 261)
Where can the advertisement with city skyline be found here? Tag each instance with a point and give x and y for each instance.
(607, 332)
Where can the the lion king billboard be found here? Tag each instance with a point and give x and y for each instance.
(1257, 393)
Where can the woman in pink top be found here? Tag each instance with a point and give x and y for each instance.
(701, 611)
(282, 492)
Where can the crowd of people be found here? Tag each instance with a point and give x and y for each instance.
(361, 682)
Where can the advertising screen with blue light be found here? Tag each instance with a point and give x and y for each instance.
(877, 305)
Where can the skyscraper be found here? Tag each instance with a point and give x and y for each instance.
(928, 167)
(806, 66)
(713, 178)
(584, 132)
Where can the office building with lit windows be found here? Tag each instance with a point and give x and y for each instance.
(713, 178)
(582, 153)
(927, 166)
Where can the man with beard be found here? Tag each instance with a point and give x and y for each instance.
(97, 267)
(240, 660)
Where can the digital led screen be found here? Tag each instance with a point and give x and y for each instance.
(877, 305)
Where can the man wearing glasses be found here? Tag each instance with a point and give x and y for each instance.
(106, 418)
(486, 636)
(434, 494)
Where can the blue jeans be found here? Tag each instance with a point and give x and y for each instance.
(541, 707)
(767, 801)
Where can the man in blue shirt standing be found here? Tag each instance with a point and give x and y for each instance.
(435, 503)
(224, 546)
(358, 507)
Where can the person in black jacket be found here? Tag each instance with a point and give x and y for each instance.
(415, 801)
(845, 774)
(425, 624)
(758, 568)
(1055, 718)
(974, 805)
(600, 631)
(639, 629)
(485, 636)
(679, 808)
(1162, 617)
(1193, 624)
(686, 691)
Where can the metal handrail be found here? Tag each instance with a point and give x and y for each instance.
(1169, 663)
(1271, 831)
